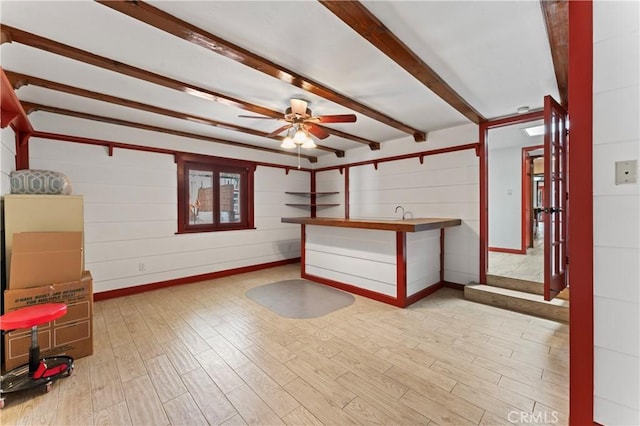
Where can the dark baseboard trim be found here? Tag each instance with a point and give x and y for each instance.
(454, 286)
(110, 294)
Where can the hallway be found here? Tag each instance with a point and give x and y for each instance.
(529, 267)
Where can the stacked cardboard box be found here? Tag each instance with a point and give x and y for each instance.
(47, 267)
(70, 335)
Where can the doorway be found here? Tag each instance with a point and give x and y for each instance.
(516, 225)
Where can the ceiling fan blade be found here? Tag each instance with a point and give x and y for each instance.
(259, 117)
(316, 131)
(278, 131)
(298, 106)
(339, 118)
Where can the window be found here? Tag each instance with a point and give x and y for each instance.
(214, 194)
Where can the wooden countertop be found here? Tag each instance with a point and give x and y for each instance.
(406, 225)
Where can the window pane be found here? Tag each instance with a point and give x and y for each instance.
(230, 197)
(200, 197)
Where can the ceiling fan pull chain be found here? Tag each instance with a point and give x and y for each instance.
(298, 156)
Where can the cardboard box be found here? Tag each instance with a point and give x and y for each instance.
(42, 258)
(39, 213)
(70, 335)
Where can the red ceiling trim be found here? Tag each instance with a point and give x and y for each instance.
(54, 110)
(11, 110)
(19, 80)
(556, 19)
(402, 157)
(161, 20)
(110, 145)
(367, 25)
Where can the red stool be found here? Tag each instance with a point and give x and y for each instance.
(38, 371)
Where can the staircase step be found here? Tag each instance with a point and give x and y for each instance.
(533, 287)
(532, 304)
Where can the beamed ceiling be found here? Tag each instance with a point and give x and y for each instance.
(192, 68)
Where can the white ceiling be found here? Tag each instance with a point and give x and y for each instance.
(494, 54)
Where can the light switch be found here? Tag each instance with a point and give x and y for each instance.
(626, 172)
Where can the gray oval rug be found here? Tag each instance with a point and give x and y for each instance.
(300, 298)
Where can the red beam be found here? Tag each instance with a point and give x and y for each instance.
(11, 110)
(401, 268)
(402, 157)
(111, 145)
(581, 384)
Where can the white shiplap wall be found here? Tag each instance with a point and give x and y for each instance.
(131, 216)
(446, 185)
(330, 181)
(423, 260)
(365, 258)
(616, 137)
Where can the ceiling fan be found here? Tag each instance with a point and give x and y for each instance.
(301, 122)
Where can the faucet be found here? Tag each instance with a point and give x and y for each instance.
(400, 207)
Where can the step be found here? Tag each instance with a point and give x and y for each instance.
(514, 300)
(533, 287)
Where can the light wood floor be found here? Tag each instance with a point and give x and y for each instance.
(206, 354)
(529, 267)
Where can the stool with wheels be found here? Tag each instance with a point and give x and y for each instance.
(38, 371)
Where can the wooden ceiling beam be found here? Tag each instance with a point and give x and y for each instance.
(18, 80)
(161, 20)
(556, 19)
(10, 34)
(11, 112)
(358, 17)
(373, 145)
(30, 107)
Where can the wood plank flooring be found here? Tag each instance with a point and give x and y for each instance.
(205, 354)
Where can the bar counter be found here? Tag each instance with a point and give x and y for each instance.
(393, 261)
(400, 225)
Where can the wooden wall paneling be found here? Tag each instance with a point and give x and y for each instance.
(423, 260)
(113, 186)
(445, 185)
(331, 181)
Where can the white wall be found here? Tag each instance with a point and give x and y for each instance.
(446, 185)
(616, 137)
(505, 198)
(330, 181)
(131, 210)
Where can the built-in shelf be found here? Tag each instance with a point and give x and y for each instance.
(311, 194)
(312, 205)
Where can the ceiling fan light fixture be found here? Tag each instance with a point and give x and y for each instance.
(309, 143)
(300, 137)
(287, 143)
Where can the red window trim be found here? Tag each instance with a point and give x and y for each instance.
(218, 165)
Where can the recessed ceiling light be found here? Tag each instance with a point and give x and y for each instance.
(535, 130)
(523, 110)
